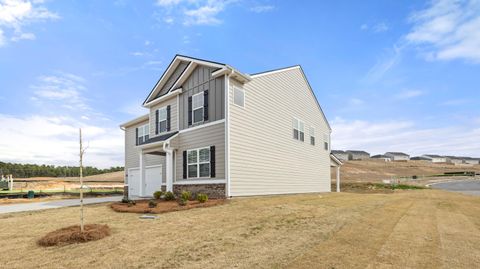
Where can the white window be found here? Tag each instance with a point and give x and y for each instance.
(238, 97)
(198, 162)
(298, 130)
(312, 136)
(162, 120)
(197, 107)
(143, 132)
(326, 141)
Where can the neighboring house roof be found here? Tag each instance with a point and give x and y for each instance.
(419, 158)
(358, 152)
(159, 138)
(397, 154)
(338, 151)
(433, 156)
(380, 156)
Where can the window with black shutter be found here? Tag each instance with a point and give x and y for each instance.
(156, 122)
(212, 161)
(185, 164)
(163, 119)
(205, 105)
(168, 118)
(190, 111)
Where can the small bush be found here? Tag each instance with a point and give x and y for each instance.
(169, 196)
(202, 198)
(125, 200)
(182, 202)
(158, 194)
(152, 204)
(186, 195)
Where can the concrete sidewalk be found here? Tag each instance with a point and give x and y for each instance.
(470, 187)
(11, 208)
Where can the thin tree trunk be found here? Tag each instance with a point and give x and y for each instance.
(81, 182)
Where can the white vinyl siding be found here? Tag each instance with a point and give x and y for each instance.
(197, 107)
(264, 159)
(312, 136)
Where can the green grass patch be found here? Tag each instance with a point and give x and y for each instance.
(407, 187)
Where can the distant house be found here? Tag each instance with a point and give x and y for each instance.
(469, 160)
(382, 157)
(420, 158)
(455, 160)
(398, 156)
(342, 155)
(359, 154)
(435, 158)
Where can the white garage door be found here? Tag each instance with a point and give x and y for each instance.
(133, 182)
(153, 180)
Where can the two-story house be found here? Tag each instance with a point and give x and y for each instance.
(213, 129)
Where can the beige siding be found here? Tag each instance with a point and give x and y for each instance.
(132, 159)
(213, 135)
(172, 102)
(265, 159)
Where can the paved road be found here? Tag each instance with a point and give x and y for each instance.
(471, 187)
(55, 204)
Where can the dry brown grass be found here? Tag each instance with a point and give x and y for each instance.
(416, 228)
(73, 234)
(377, 170)
(162, 206)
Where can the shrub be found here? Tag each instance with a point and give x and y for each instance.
(169, 196)
(182, 202)
(131, 202)
(158, 194)
(186, 195)
(202, 198)
(125, 200)
(152, 204)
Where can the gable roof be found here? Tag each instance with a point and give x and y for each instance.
(271, 72)
(378, 156)
(358, 152)
(171, 67)
(432, 156)
(397, 153)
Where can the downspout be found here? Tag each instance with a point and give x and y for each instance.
(169, 164)
(227, 123)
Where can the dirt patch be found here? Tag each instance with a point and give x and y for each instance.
(163, 206)
(72, 235)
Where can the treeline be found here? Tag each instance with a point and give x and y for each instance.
(34, 170)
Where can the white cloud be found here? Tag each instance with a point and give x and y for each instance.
(204, 15)
(191, 12)
(407, 94)
(387, 62)
(356, 101)
(168, 3)
(62, 89)
(364, 27)
(380, 27)
(135, 109)
(379, 137)
(16, 14)
(137, 53)
(169, 20)
(455, 102)
(54, 140)
(448, 30)
(262, 8)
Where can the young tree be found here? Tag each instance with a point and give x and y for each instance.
(82, 151)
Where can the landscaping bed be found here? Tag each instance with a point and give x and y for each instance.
(142, 206)
(72, 235)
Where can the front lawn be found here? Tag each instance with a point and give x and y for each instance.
(403, 229)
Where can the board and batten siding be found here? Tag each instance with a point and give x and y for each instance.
(264, 157)
(172, 102)
(213, 135)
(132, 159)
(200, 80)
(171, 80)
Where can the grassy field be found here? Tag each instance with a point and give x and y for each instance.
(377, 170)
(402, 229)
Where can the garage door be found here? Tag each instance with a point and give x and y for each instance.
(153, 179)
(133, 182)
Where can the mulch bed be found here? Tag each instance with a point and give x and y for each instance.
(141, 206)
(72, 235)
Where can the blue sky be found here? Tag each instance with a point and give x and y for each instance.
(390, 75)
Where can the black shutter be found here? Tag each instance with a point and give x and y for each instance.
(205, 105)
(212, 161)
(168, 118)
(156, 122)
(184, 164)
(136, 136)
(189, 110)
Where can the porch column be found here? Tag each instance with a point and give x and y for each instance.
(142, 172)
(338, 178)
(169, 170)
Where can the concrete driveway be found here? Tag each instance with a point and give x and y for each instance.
(11, 208)
(471, 187)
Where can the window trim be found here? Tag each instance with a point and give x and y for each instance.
(243, 91)
(202, 107)
(312, 135)
(198, 163)
(145, 136)
(297, 127)
(326, 142)
(165, 120)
